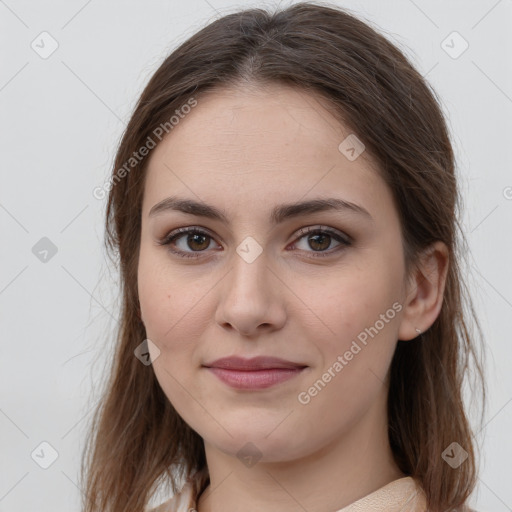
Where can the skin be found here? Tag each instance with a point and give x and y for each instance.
(246, 150)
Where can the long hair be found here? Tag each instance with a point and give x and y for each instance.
(136, 439)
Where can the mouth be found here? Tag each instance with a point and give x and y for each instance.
(255, 373)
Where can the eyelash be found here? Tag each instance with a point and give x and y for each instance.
(174, 235)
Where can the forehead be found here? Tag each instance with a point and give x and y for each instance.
(254, 146)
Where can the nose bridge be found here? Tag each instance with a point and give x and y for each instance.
(250, 266)
(250, 295)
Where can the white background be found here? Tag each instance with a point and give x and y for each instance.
(61, 119)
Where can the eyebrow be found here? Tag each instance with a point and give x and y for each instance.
(279, 213)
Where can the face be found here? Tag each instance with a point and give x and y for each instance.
(321, 288)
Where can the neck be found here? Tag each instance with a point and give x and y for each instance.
(330, 478)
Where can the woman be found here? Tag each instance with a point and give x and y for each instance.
(293, 335)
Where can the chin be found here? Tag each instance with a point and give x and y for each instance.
(250, 445)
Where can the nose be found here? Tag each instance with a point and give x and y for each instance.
(251, 298)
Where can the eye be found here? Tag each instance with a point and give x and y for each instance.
(320, 238)
(191, 238)
(191, 242)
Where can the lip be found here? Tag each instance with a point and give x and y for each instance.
(253, 363)
(254, 373)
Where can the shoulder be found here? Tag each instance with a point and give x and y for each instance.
(181, 502)
(401, 495)
(186, 499)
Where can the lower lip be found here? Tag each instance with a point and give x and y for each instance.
(255, 379)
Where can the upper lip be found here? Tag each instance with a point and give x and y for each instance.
(254, 363)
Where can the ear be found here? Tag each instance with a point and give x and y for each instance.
(424, 291)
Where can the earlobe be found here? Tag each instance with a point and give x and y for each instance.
(425, 291)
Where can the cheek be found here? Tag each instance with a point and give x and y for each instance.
(348, 304)
(174, 312)
(341, 390)
(168, 300)
(171, 319)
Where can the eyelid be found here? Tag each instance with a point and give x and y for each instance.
(184, 231)
(324, 229)
(341, 237)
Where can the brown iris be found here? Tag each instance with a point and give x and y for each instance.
(197, 238)
(321, 237)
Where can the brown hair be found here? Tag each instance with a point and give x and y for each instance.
(136, 439)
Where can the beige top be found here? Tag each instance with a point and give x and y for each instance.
(402, 495)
